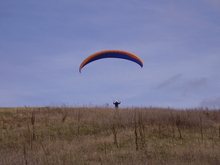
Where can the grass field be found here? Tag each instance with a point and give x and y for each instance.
(100, 135)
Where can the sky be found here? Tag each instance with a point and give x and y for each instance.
(42, 44)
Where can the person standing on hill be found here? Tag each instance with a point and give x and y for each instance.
(116, 103)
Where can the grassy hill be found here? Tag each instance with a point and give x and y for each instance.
(99, 135)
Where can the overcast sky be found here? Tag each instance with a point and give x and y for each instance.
(43, 42)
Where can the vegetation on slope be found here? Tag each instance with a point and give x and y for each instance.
(99, 135)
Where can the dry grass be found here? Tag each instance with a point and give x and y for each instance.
(97, 135)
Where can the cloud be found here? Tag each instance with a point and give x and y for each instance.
(215, 3)
(176, 84)
(193, 84)
(169, 81)
(211, 102)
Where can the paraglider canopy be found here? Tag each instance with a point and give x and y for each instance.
(111, 54)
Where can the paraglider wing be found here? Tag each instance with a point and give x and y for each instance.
(111, 54)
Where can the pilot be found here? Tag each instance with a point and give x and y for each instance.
(116, 103)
